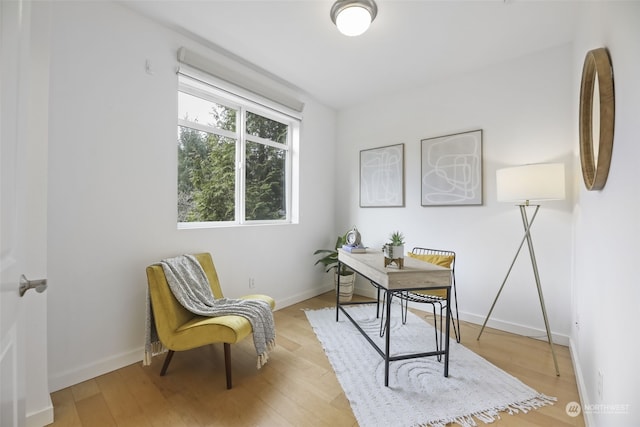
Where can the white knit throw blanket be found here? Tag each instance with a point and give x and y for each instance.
(190, 286)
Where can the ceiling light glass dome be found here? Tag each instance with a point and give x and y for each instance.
(353, 17)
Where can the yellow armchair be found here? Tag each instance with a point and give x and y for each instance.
(179, 329)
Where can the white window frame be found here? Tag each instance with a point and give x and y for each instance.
(214, 90)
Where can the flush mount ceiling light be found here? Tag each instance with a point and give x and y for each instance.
(353, 17)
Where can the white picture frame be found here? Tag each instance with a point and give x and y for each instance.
(382, 177)
(451, 172)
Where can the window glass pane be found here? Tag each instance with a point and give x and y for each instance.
(206, 176)
(265, 182)
(205, 112)
(215, 131)
(266, 128)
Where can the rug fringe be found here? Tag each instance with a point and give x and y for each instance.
(492, 415)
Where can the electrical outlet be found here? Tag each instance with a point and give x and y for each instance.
(600, 385)
(252, 283)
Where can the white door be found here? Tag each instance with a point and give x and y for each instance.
(19, 216)
(12, 345)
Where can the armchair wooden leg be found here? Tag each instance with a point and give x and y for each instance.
(167, 360)
(227, 363)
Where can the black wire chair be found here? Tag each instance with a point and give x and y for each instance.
(435, 297)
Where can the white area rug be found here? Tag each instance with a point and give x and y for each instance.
(418, 393)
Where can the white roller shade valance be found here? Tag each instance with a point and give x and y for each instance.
(250, 80)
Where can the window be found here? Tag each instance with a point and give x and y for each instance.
(234, 158)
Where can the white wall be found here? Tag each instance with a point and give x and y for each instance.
(605, 285)
(112, 192)
(524, 109)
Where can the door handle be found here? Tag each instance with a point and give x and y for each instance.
(26, 284)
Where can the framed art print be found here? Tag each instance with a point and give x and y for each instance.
(451, 171)
(382, 177)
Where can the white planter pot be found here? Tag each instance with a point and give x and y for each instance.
(394, 252)
(347, 284)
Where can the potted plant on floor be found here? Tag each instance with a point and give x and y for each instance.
(330, 261)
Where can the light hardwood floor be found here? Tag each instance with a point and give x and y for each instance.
(297, 387)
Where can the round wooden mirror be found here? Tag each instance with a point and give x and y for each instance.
(597, 111)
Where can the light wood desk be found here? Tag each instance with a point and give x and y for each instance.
(414, 276)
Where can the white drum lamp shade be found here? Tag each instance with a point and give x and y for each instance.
(534, 182)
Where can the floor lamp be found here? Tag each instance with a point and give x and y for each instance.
(524, 184)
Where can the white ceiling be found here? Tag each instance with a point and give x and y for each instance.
(409, 44)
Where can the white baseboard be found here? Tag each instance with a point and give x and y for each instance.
(502, 325)
(516, 328)
(92, 370)
(103, 366)
(42, 417)
(582, 389)
(294, 299)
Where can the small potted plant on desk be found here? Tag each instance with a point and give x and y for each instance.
(394, 250)
(330, 261)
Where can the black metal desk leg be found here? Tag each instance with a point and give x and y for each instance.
(338, 291)
(446, 345)
(387, 338)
